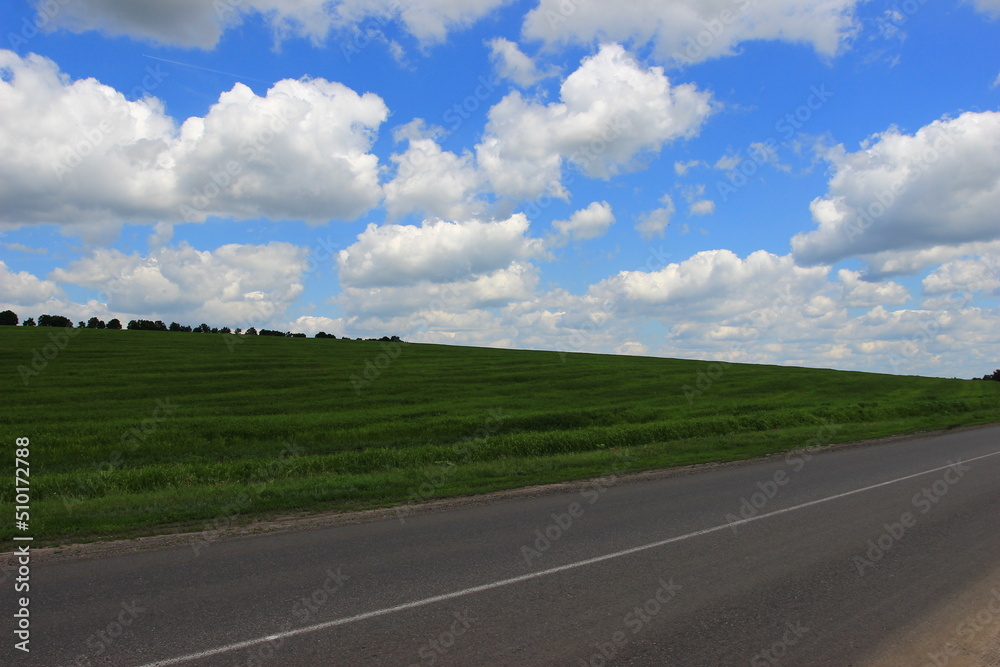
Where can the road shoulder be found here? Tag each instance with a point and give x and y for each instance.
(308, 521)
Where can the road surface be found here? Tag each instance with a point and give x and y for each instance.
(871, 555)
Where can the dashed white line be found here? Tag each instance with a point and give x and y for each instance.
(535, 575)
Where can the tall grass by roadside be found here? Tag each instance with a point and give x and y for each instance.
(135, 432)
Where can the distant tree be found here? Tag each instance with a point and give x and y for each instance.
(251, 332)
(115, 323)
(225, 330)
(94, 323)
(202, 328)
(9, 318)
(54, 321)
(174, 326)
(323, 334)
(81, 325)
(30, 322)
(214, 330)
(147, 325)
(296, 335)
(238, 331)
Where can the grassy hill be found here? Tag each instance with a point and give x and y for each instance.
(136, 432)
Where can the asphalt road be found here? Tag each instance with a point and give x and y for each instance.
(839, 556)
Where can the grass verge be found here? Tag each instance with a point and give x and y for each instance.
(135, 433)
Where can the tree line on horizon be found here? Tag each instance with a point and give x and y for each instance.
(10, 318)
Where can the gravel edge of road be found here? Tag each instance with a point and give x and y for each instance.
(296, 522)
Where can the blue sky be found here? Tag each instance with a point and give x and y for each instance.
(790, 182)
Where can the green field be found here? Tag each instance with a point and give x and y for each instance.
(136, 432)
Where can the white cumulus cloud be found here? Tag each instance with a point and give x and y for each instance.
(513, 64)
(988, 7)
(585, 224)
(612, 112)
(437, 251)
(655, 222)
(858, 293)
(200, 23)
(430, 180)
(79, 153)
(690, 31)
(234, 285)
(712, 285)
(967, 275)
(702, 207)
(23, 288)
(905, 192)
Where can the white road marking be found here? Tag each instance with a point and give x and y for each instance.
(535, 575)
